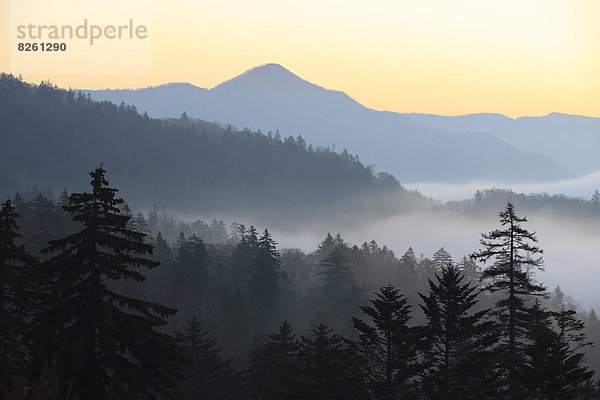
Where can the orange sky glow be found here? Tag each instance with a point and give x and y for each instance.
(516, 57)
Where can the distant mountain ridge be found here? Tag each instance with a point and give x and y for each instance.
(272, 98)
(571, 140)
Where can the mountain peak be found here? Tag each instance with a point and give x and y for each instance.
(270, 74)
(271, 67)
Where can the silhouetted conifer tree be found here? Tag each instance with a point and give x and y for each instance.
(388, 345)
(264, 285)
(592, 329)
(269, 362)
(205, 374)
(242, 257)
(153, 221)
(16, 302)
(103, 343)
(326, 368)
(188, 276)
(235, 324)
(515, 256)
(325, 246)
(408, 274)
(336, 275)
(458, 340)
(555, 367)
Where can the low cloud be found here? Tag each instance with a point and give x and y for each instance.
(578, 187)
(571, 252)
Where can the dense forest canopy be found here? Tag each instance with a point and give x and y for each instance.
(223, 312)
(557, 216)
(557, 205)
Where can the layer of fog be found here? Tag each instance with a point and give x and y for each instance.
(571, 252)
(578, 187)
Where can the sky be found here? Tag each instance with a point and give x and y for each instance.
(515, 57)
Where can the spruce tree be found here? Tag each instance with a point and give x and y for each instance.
(242, 256)
(337, 285)
(408, 274)
(138, 223)
(44, 224)
(326, 368)
(188, 277)
(156, 278)
(199, 276)
(336, 274)
(555, 368)
(264, 286)
(104, 344)
(388, 345)
(218, 232)
(179, 275)
(471, 271)
(592, 330)
(441, 258)
(269, 361)
(556, 301)
(457, 341)
(16, 301)
(325, 247)
(234, 323)
(153, 221)
(162, 251)
(570, 329)
(375, 261)
(516, 257)
(205, 374)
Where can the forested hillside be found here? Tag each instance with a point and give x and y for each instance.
(574, 209)
(49, 133)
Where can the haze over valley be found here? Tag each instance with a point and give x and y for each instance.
(297, 200)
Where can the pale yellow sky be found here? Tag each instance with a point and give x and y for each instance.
(516, 57)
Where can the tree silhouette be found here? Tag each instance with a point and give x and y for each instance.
(457, 339)
(388, 346)
(515, 256)
(205, 374)
(555, 369)
(270, 361)
(326, 368)
(15, 301)
(104, 343)
(264, 285)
